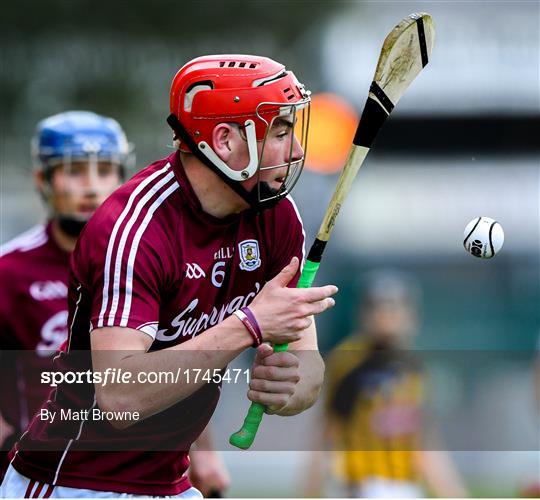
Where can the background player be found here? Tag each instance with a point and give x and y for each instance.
(374, 418)
(80, 158)
(158, 274)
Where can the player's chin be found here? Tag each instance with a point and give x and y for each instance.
(277, 184)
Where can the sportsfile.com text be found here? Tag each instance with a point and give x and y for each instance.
(119, 376)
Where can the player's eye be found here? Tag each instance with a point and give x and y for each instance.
(106, 169)
(76, 170)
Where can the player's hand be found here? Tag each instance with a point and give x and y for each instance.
(284, 313)
(274, 376)
(207, 472)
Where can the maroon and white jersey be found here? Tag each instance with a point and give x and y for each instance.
(150, 259)
(33, 321)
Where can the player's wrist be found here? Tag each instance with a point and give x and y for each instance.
(246, 316)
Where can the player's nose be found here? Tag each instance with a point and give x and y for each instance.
(297, 151)
(90, 182)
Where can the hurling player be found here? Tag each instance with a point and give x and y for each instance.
(375, 403)
(80, 159)
(192, 261)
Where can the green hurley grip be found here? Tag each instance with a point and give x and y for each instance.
(306, 280)
(308, 274)
(244, 438)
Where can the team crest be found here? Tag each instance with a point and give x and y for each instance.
(250, 258)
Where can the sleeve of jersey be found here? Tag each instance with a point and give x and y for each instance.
(127, 276)
(289, 240)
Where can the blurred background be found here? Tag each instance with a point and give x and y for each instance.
(463, 142)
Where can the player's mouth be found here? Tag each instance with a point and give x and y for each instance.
(87, 209)
(280, 175)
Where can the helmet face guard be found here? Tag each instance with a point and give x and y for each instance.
(251, 92)
(75, 186)
(97, 174)
(298, 116)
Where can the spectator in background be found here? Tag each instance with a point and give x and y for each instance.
(374, 418)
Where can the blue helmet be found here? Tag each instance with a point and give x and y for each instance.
(77, 135)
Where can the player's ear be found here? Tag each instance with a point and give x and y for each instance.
(222, 139)
(42, 183)
(39, 179)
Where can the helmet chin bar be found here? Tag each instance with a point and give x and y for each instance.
(250, 170)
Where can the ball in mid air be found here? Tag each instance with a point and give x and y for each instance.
(483, 237)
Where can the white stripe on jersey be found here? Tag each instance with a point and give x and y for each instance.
(112, 238)
(70, 335)
(70, 442)
(150, 328)
(135, 245)
(289, 197)
(125, 234)
(26, 241)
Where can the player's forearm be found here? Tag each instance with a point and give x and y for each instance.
(311, 368)
(5, 429)
(207, 471)
(211, 350)
(309, 387)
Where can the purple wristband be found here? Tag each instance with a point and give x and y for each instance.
(250, 322)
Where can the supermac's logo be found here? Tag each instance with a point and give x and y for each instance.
(250, 257)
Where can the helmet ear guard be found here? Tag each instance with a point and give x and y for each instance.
(251, 168)
(182, 134)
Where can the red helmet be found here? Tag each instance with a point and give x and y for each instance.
(248, 90)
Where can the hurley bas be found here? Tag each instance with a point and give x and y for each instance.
(84, 415)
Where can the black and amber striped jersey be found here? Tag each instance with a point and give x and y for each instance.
(374, 404)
